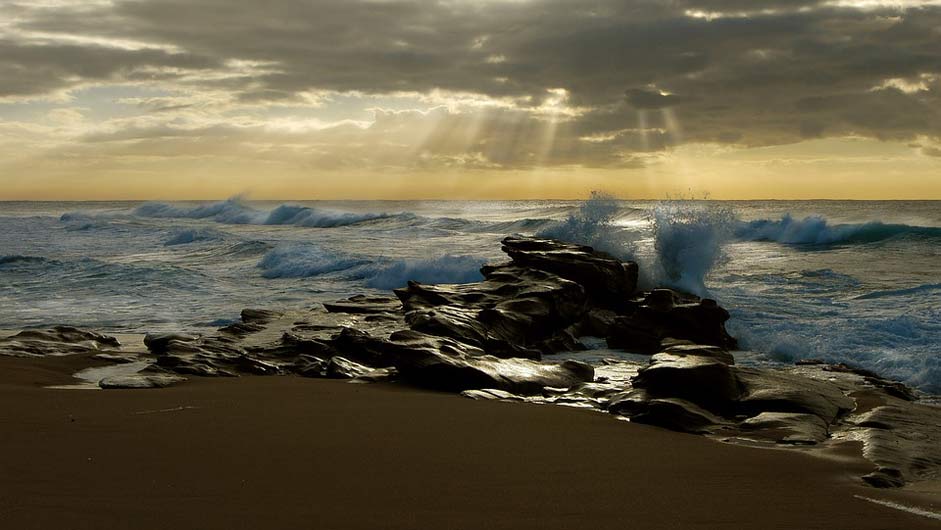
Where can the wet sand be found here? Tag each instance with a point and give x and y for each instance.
(286, 452)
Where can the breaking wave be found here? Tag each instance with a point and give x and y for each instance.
(305, 261)
(927, 288)
(593, 225)
(185, 237)
(235, 211)
(816, 230)
(16, 259)
(302, 261)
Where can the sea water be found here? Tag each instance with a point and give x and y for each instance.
(843, 281)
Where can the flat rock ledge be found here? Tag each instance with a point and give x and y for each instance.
(488, 340)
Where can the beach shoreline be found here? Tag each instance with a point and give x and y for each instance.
(290, 452)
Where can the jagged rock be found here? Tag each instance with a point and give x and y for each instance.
(445, 364)
(655, 319)
(362, 304)
(712, 352)
(704, 381)
(341, 368)
(628, 403)
(598, 322)
(259, 316)
(605, 278)
(251, 365)
(809, 362)
(491, 394)
(117, 358)
(903, 439)
(159, 343)
(779, 391)
(377, 375)
(310, 366)
(58, 340)
(509, 314)
(787, 428)
(140, 380)
(885, 477)
(678, 415)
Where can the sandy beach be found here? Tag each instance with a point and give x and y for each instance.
(287, 452)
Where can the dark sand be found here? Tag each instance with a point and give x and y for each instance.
(285, 452)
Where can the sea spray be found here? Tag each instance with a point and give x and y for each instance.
(688, 240)
(593, 225)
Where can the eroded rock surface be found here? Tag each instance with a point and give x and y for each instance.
(58, 340)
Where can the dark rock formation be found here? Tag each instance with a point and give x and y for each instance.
(606, 279)
(664, 314)
(140, 380)
(703, 381)
(58, 340)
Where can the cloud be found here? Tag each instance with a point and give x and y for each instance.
(598, 83)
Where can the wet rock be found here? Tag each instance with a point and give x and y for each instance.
(704, 381)
(159, 343)
(491, 394)
(377, 375)
(903, 439)
(628, 403)
(58, 340)
(885, 477)
(117, 358)
(699, 350)
(598, 322)
(677, 415)
(809, 362)
(445, 364)
(260, 316)
(787, 428)
(662, 314)
(514, 312)
(140, 380)
(250, 365)
(362, 304)
(605, 278)
(341, 368)
(310, 366)
(779, 391)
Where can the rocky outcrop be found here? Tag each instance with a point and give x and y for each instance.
(487, 340)
(606, 279)
(663, 314)
(58, 340)
(140, 380)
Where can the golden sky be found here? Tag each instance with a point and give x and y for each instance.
(396, 99)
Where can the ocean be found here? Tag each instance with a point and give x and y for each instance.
(843, 281)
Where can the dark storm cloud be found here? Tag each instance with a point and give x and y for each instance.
(30, 69)
(730, 71)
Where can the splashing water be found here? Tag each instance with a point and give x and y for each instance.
(688, 238)
(593, 225)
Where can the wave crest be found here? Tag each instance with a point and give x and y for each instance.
(302, 261)
(816, 230)
(235, 211)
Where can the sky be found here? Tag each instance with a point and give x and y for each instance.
(470, 99)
